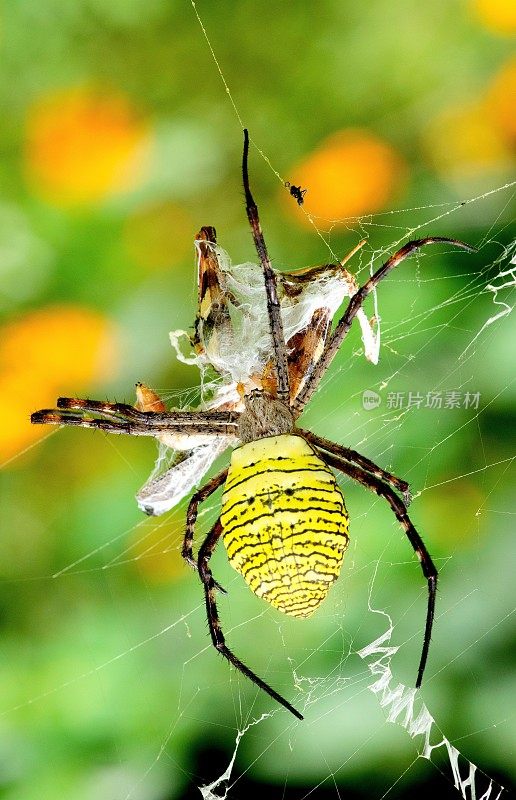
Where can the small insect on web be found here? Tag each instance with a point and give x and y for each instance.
(297, 192)
(283, 518)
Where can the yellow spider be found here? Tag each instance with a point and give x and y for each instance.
(283, 519)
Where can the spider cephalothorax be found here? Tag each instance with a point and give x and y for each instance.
(283, 519)
(264, 415)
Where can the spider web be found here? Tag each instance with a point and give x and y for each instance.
(401, 704)
(372, 655)
(364, 700)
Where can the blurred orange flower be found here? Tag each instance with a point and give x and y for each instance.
(82, 146)
(351, 173)
(497, 15)
(46, 353)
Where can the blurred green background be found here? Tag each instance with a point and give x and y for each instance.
(118, 142)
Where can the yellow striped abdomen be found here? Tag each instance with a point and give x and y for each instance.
(285, 525)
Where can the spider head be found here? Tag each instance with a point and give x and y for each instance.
(264, 415)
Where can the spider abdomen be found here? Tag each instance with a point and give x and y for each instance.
(285, 525)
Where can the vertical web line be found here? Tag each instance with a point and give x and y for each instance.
(241, 123)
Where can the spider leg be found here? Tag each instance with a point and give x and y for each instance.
(191, 516)
(122, 418)
(123, 410)
(48, 416)
(353, 457)
(398, 507)
(217, 637)
(341, 330)
(273, 305)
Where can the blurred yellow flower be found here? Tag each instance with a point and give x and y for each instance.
(497, 15)
(49, 352)
(478, 137)
(501, 100)
(462, 141)
(82, 146)
(351, 173)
